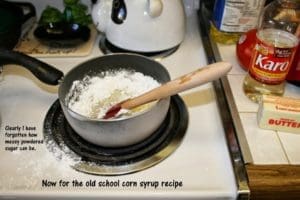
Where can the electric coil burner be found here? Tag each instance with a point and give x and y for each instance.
(93, 159)
(107, 47)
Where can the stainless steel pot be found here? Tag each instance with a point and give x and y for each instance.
(116, 132)
(108, 133)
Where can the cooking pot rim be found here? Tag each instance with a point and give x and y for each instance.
(86, 118)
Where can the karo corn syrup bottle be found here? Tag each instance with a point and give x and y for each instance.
(274, 50)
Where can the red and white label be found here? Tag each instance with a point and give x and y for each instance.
(270, 64)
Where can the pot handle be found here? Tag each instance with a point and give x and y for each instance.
(31, 10)
(41, 70)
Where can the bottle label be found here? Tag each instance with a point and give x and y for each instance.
(270, 64)
(237, 15)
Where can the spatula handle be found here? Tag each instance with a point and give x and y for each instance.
(200, 76)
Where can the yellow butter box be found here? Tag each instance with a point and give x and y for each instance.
(279, 113)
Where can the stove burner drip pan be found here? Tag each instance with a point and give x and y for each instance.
(93, 159)
(107, 48)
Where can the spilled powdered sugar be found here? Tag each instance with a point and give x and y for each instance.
(93, 96)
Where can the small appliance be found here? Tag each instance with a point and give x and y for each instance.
(141, 25)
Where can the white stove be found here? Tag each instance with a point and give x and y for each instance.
(200, 167)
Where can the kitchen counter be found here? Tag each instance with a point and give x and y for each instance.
(271, 158)
(201, 162)
(265, 146)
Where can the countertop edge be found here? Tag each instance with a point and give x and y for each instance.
(212, 55)
(274, 181)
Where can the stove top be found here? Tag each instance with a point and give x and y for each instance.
(199, 168)
(107, 47)
(93, 159)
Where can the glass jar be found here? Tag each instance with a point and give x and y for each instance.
(234, 17)
(274, 50)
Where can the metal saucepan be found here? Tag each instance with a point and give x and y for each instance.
(109, 133)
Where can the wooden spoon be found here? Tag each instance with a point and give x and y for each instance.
(200, 76)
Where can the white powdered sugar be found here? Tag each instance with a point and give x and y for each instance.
(93, 96)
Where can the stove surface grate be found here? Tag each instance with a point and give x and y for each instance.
(100, 160)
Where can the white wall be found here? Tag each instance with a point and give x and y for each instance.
(40, 5)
